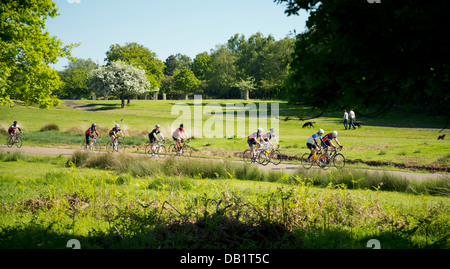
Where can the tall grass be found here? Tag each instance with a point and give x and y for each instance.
(137, 202)
(195, 168)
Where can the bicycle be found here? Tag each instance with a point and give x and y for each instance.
(16, 140)
(247, 155)
(117, 146)
(338, 159)
(160, 149)
(266, 156)
(93, 146)
(185, 150)
(323, 160)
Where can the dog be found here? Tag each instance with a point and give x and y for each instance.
(357, 124)
(441, 137)
(308, 124)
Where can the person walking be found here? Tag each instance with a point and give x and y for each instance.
(345, 119)
(352, 119)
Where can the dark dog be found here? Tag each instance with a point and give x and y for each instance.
(357, 124)
(308, 124)
(441, 137)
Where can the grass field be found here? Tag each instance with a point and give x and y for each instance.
(131, 201)
(393, 138)
(112, 201)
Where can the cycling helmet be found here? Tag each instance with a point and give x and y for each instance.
(94, 125)
(117, 125)
(182, 125)
(320, 131)
(272, 130)
(260, 130)
(157, 126)
(334, 133)
(15, 122)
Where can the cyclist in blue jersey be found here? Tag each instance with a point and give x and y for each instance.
(313, 144)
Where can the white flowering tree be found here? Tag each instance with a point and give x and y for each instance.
(119, 79)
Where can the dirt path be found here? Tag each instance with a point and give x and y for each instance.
(270, 167)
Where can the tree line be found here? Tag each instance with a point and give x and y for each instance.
(255, 67)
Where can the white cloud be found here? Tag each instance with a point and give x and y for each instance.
(74, 1)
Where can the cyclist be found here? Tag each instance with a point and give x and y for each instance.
(312, 143)
(90, 133)
(253, 140)
(326, 141)
(266, 138)
(177, 135)
(113, 133)
(12, 130)
(152, 136)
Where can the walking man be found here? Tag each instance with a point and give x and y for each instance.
(352, 119)
(345, 119)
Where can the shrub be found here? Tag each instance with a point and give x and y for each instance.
(49, 127)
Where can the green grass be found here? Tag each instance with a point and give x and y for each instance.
(396, 137)
(112, 201)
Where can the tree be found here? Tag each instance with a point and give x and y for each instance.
(139, 56)
(264, 59)
(223, 73)
(186, 81)
(175, 63)
(26, 51)
(75, 78)
(119, 79)
(245, 86)
(372, 56)
(201, 66)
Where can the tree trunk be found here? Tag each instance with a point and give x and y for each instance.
(123, 102)
(246, 95)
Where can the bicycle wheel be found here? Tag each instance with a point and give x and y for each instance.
(18, 142)
(186, 151)
(247, 156)
(121, 146)
(172, 151)
(161, 151)
(339, 161)
(305, 163)
(324, 164)
(9, 143)
(96, 147)
(263, 158)
(148, 150)
(276, 157)
(109, 147)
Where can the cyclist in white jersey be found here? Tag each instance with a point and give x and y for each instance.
(266, 138)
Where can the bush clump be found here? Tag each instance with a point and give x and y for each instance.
(49, 127)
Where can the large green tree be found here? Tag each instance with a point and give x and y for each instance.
(26, 52)
(175, 63)
(264, 59)
(185, 81)
(222, 76)
(75, 78)
(138, 56)
(372, 56)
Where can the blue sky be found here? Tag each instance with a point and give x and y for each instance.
(165, 26)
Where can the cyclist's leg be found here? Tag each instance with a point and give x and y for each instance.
(250, 146)
(11, 135)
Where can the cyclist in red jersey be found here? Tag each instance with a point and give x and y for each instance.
(327, 141)
(90, 133)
